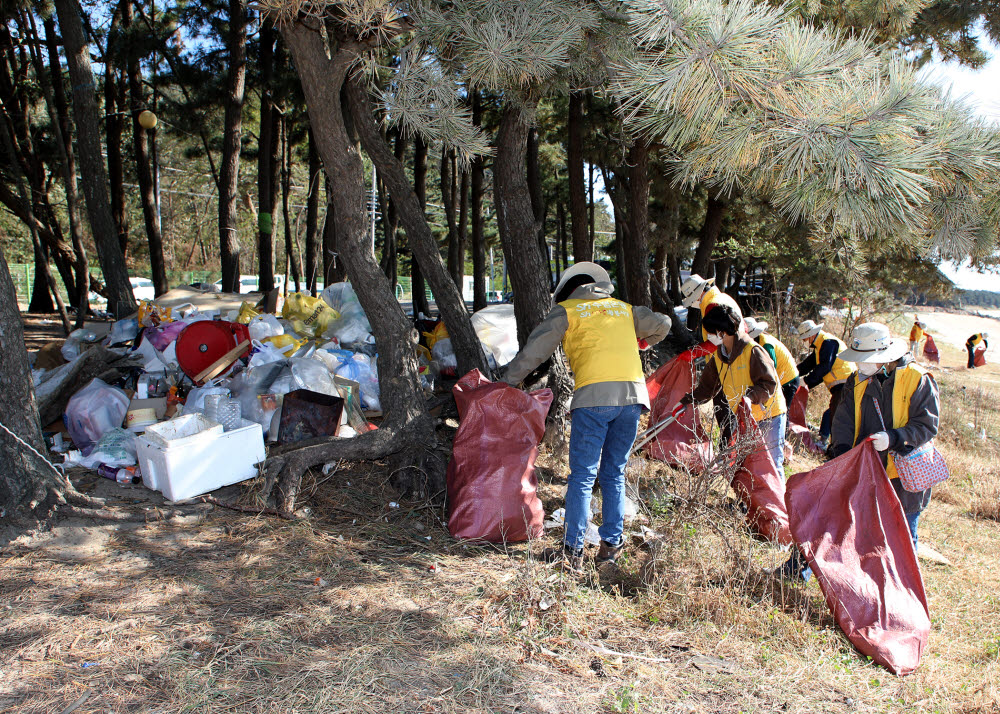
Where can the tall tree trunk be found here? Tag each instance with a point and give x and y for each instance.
(115, 113)
(406, 424)
(715, 211)
(312, 213)
(267, 145)
(476, 207)
(447, 294)
(516, 221)
(286, 180)
(390, 252)
(463, 222)
(674, 289)
(583, 247)
(621, 229)
(636, 244)
(41, 298)
(538, 207)
(59, 114)
(143, 166)
(449, 193)
(420, 302)
(590, 211)
(333, 269)
(229, 174)
(660, 270)
(95, 178)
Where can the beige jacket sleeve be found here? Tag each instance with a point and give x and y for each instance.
(543, 341)
(650, 326)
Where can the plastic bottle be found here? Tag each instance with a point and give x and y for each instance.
(230, 414)
(123, 475)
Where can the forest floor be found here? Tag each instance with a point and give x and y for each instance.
(365, 607)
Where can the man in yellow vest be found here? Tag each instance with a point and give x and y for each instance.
(916, 335)
(742, 368)
(972, 344)
(784, 363)
(908, 399)
(600, 337)
(702, 293)
(823, 365)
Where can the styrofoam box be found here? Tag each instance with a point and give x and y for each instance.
(192, 455)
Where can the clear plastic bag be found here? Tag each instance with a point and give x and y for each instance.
(496, 328)
(115, 448)
(445, 354)
(264, 326)
(353, 325)
(92, 412)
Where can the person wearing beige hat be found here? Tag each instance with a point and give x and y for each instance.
(702, 293)
(823, 365)
(784, 363)
(891, 399)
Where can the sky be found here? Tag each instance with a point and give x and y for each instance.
(981, 89)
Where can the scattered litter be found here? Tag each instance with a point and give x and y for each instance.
(393, 504)
(320, 582)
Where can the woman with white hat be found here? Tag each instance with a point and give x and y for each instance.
(972, 345)
(784, 363)
(599, 335)
(823, 365)
(908, 407)
(702, 293)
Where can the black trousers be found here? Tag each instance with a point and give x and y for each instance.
(972, 355)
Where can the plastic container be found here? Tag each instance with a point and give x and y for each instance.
(191, 455)
(229, 414)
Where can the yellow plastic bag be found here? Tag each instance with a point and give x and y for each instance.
(151, 314)
(314, 314)
(440, 333)
(286, 343)
(246, 313)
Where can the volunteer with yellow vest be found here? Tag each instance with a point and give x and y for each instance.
(916, 335)
(742, 368)
(600, 336)
(972, 345)
(701, 292)
(784, 363)
(823, 365)
(907, 397)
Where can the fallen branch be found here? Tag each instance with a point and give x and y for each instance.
(257, 510)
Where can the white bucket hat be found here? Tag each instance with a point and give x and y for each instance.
(807, 329)
(985, 334)
(755, 328)
(599, 274)
(693, 288)
(872, 342)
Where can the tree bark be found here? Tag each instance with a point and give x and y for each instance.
(95, 178)
(390, 244)
(468, 349)
(477, 174)
(449, 191)
(143, 167)
(286, 180)
(538, 207)
(312, 213)
(333, 270)
(583, 247)
(715, 211)
(419, 293)
(406, 422)
(59, 114)
(41, 298)
(636, 239)
(267, 145)
(115, 112)
(463, 223)
(590, 211)
(516, 221)
(229, 173)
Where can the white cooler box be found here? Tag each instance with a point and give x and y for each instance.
(192, 455)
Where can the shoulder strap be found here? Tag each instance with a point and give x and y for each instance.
(878, 410)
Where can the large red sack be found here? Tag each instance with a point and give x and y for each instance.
(931, 350)
(685, 442)
(492, 487)
(847, 521)
(798, 427)
(980, 358)
(757, 481)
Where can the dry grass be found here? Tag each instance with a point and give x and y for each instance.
(366, 608)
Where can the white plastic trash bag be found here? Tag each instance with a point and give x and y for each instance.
(92, 412)
(353, 325)
(444, 353)
(115, 448)
(496, 328)
(264, 326)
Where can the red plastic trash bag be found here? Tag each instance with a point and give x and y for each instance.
(847, 521)
(492, 487)
(931, 350)
(757, 481)
(980, 358)
(798, 427)
(685, 442)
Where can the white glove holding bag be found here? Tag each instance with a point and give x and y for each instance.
(880, 441)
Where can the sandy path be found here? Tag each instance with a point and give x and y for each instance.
(954, 328)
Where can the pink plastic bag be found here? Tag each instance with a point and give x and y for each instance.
(798, 428)
(757, 481)
(847, 521)
(685, 442)
(492, 487)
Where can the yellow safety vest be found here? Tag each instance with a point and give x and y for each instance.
(916, 333)
(976, 339)
(600, 342)
(713, 296)
(735, 379)
(905, 383)
(784, 362)
(841, 369)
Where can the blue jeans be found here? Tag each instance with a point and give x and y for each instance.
(911, 521)
(599, 444)
(773, 431)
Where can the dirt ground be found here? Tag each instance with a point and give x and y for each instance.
(360, 606)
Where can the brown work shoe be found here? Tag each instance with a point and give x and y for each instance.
(569, 561)
(608, 553)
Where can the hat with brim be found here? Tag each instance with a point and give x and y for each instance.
(755, 328)
(872, 342)
(599, 274)
(807, 329)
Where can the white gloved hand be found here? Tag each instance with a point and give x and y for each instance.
(880, 441)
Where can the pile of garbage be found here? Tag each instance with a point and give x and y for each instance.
(185, 395)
